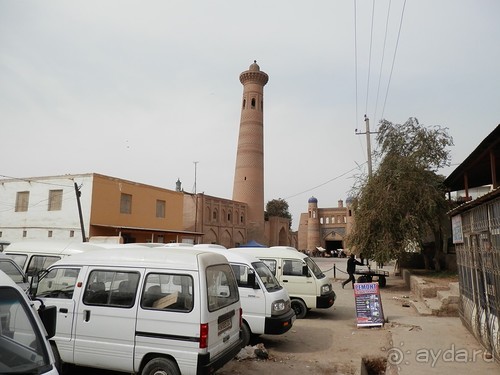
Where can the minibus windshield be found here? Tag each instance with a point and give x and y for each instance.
(270, 282)
(23, 347)
(314, 268)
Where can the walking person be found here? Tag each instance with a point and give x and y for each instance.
(351, 268)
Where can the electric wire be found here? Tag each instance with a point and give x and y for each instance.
(356, 63)
(370, 57)
(326, 182)
(382, 60)
(394, 57)
(34, 181)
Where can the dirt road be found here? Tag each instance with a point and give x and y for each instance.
(327, 341)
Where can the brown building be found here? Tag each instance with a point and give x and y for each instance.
(48, 207)
(222, 221)
(324, 227)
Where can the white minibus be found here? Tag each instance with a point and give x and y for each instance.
(24, 343)
(306, 284)
(265, 303)
(33, 256)
(144, 310)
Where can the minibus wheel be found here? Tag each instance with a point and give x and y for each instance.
(300, 308)
(246, 334)
(161, 366)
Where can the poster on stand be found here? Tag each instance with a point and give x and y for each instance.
(369, 312)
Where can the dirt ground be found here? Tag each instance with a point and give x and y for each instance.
(327, 341)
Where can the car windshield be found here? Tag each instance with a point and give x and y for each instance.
(270, 282)
(314, 268)
(23, 350)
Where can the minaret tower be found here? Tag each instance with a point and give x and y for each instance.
(313, 239)
(249, 172)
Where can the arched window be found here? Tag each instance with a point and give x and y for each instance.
(244, 103)
(253, 103)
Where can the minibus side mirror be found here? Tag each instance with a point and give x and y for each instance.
(48, 315)
(34, 285)
(251, 281)
(305, 270)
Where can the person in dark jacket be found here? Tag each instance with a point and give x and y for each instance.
(351, 268)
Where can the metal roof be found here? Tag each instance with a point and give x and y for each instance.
(480, 168)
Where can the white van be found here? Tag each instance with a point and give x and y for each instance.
(24, 342)
(33, 256)
(265, 303)
(144, 310)
(306, 284)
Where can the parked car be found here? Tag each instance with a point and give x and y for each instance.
(11, 269)
(35, 255)
(144, 310)
(307, 286)
(265, 303)
(24, 340)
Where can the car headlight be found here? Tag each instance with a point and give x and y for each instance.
(278, 307)
(325, 289)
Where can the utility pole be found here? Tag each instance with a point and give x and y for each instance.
(196, 198)
(82, 227)
(368, 144)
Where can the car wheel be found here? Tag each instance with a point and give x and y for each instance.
(246, 334)
(363, 279)
(382, 281)
(300, 308)
(161, 366)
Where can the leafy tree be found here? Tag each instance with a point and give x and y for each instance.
(277, 207)
(404, 201)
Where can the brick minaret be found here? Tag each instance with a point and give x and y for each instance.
(313, 239)
(249, 172)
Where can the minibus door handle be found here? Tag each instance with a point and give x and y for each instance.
(86, 315)
(63, 310)
(285, 281)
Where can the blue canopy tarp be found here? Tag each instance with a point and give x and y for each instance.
(252, 243)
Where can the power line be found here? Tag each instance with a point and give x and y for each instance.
(394, 57)
(383, 57)
(356, 60)
(370, 58)
(34, 181)
(326, 182)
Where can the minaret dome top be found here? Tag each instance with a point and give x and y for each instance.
(254, 67)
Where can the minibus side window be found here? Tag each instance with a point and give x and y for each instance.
(20, 259)
(271, 264)
(241, 272)
(168, 292)
(111, 288)
(40, 262)
(58, 283)
(292, 267)
(222, 288)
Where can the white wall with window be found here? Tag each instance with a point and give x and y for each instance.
(48, 204)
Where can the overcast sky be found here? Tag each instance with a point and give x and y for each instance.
(140, 90)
